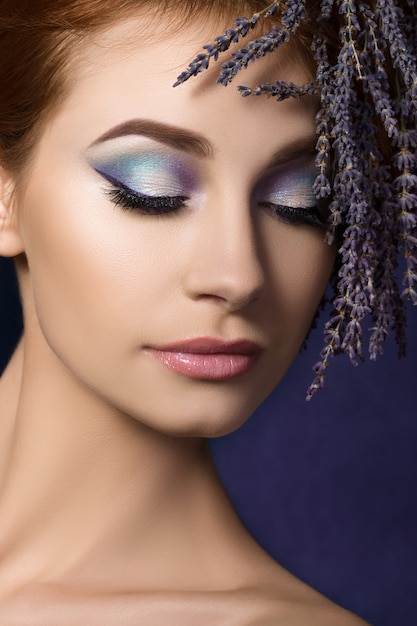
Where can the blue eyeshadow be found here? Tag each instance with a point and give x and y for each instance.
(149, 173)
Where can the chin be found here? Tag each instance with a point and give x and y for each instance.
(204, 417)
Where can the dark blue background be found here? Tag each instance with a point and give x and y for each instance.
(328, 487)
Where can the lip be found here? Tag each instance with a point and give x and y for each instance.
(208, 358)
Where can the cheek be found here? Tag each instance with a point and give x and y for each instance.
(92, 270)
(309, 264)
(299, 265)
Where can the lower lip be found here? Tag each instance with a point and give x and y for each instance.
(206, 366)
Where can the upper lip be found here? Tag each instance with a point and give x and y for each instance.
(210, 345)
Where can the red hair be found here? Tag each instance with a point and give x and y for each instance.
(39, 39)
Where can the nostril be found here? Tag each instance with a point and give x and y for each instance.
(235, 292)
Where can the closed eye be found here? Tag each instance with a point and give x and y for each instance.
(287, 193)
(150, 205)
(296, 216)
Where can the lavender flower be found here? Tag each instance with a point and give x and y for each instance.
(366, 152)
(242, 26)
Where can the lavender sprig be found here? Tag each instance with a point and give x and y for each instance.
(366, 152)
(256, 49)
(222, 43)
(280, 91)
(272, 40)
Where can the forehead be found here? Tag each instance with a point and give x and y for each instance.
(128, 70)
(171, 41)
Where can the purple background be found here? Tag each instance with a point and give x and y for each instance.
(328, 487)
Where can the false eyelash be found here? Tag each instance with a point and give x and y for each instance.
(160, 205)
(296, 215)
(149, 205)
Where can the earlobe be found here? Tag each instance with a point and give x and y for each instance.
(11, 243)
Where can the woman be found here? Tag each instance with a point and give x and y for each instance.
(171, 257)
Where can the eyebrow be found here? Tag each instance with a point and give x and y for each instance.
(297, 149)
(185, 140)
(192, 142)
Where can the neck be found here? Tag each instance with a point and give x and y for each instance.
(10, 385)
(87, 489)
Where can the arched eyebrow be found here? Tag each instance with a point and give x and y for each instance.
(190, 141)
(297, 149)
(177, 138)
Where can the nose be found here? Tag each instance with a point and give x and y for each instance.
(224, 264)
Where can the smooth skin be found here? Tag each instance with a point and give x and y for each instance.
(110, 509)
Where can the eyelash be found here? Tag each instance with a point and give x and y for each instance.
(149, 205)
(163, 205)
(296, 216)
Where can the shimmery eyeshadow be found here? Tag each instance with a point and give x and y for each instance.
(148, 173)
(291, 187)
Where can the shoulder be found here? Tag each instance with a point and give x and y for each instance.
(52, 605)
(282, 599)
(317, 613)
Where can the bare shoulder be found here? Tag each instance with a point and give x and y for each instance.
(285, 600)
(271, 596)
(301, 612)
(42, 606)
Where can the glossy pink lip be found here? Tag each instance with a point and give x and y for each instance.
(208, 358)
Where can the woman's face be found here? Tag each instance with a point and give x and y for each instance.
(174, 247)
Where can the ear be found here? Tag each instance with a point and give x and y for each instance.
(11, 243)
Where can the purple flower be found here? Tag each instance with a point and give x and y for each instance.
(366, 152)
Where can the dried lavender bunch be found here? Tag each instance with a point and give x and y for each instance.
(366, 78)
